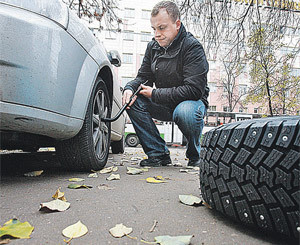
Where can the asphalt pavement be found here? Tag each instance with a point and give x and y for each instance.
(151, 210)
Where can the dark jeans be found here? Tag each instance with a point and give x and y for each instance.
(188, 115)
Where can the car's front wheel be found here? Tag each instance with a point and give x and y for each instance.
(88, 150)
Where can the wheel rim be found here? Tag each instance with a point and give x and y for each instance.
(132, 141)
(100, 129)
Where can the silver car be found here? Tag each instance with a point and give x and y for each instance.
(56, 83)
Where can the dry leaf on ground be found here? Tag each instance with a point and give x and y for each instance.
(76, 230)
(154, 180)
(134, 171)
(120, 230)
(93, 175)
(105, 187)
(190, 200)
(173, 240)
(76, 179)
(76, 186)
(55, 205)
(108, 170)
(34, 173)
(16, 229)
(59, 195)
(114, 177)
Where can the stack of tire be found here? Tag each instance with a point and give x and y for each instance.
(250, 171)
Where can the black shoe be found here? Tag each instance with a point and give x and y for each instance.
(156, 161)
(194, 162)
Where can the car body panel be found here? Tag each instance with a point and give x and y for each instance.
(48, 73)
(56, 11)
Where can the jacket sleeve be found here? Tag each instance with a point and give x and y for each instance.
(194, 71)
(144, 72)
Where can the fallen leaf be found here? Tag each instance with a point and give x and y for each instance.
(134, 171)
(93, 175)
(153, 180)
(190, 200)
(182, 170)
(15, 228)
(120, 230)
(76, 230)
(76, 186)
(173, 240)
(114, 177)
(59, 195)
(55, 205)
(108, 170)
(145, 169)
(76, 179)
(105, 187)
(136, 158)
(34, 173)
(159, 177)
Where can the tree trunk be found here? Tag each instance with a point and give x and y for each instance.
(269, 96)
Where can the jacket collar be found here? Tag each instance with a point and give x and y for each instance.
(180, 35)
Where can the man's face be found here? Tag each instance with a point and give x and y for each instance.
(165, 30)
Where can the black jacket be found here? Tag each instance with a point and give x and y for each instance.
(179, 72)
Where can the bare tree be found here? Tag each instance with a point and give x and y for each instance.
(272, 81)
(231, 92)
(217, 20)
(99, 10)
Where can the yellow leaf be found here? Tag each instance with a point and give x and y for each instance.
(114, 177)
(16, 229)
(76, 230)
(75, 186)
(34, 173)
(76, 179)
(93, 175)
(59, 195)
(55, 205)
(120, 230)
(153, 180)
(106, 170)
(190, 200)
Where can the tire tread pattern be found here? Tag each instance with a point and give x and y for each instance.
(249, 171)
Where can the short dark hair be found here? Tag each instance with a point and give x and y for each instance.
(169, 6)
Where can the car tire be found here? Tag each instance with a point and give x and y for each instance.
(89, 149)
(249, 171)
(132, 140)
(118, 146)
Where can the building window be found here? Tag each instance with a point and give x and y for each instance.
(243, 109)
(127, 58)
(212, 87)
(226, 108)
(146, 14)
(128, 35)
(146, 36)
(255, 110)
(243, 89)
(129, 13)
(212, 108)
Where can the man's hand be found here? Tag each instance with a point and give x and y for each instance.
(126, 97)
(146, 91)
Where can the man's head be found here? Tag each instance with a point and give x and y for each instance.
(165, 21)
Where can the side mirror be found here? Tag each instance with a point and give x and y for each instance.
(114, 58)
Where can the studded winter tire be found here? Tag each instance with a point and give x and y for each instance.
(250, 171)
(89, 149)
